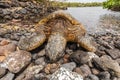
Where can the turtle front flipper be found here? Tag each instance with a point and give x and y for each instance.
(32, 42)
(86, 43)
(56, 46)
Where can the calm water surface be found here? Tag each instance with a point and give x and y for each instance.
(95, 19)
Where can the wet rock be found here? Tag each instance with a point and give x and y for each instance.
(2, 72)
(8, 76)
(40, 61)
(81, 57)
(104, 75)
(85, 70)
(114, 53)
(18, 59)
(64, 74)
(30, 72)
(70, 66)
(106, 63)
(91, 77)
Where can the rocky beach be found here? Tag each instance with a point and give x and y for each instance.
(76, 63)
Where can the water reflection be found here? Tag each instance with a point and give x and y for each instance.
(95, 18)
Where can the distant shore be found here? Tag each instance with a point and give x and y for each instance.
(76, 4)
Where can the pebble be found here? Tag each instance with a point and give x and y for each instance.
(41, 53)
(95, 71)
(51, 68)
(40, 61)
(81, 57)
(70, 66)
(117, 44)
(78, 70)
(30, 72)
(8, 76)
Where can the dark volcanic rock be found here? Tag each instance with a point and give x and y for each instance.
(91, 77)
(18, 59)
(28, 10)
(106, 63)
(114, 53)
(81, 57)
(104, 75)
(100, 53)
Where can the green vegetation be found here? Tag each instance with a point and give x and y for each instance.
(75, 4)
(112, 4)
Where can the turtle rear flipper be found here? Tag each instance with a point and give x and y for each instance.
(86, 43)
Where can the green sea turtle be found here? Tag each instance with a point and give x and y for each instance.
(58, 28)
